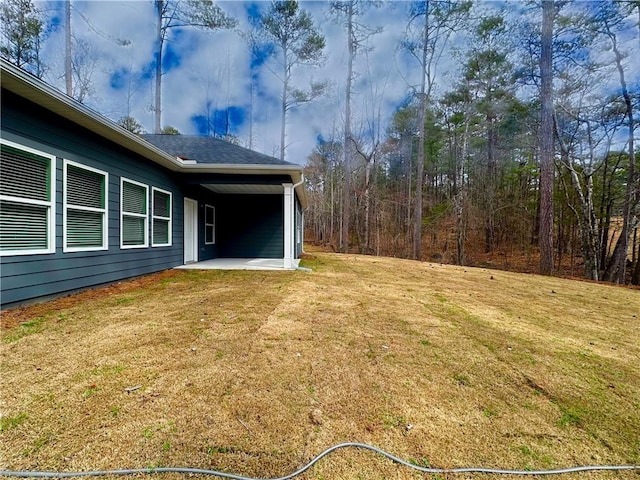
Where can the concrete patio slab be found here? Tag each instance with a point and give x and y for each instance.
(239, 264)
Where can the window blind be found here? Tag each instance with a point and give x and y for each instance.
(26, 193)
(133, 215)
(23, 226)
(85, 188)
(134, 198)
(24, 174)
(85, 207)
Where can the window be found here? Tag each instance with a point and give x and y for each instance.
(209, 224)
(27, 203)
(85, 208)
(133, 214)
(161, 208)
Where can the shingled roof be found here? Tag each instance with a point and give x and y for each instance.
(209, 150)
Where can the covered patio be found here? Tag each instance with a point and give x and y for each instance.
(242, 208)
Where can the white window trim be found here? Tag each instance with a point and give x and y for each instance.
(51, 205)
(104, 211)
(154, 217)
(207, 225)
(138, 215)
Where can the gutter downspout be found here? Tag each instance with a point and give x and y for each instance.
(302, 212)
(293, 200)
(289, 223)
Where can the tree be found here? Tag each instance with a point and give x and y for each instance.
(569, 85)
(571, 126)
(22, 34)
(295, 39)
(425, 41)
(84, 61)
(457, 107)
(357, 34)
(169, 130)
(172, 14)
(68, 68)
(488, 75)
(131, 124)
(368, 145)
(400, 147)
(322, 173)
(609, 20)
(81, 56)
(547, 152)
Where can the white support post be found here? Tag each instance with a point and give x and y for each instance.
(289, 233)
(302, 229)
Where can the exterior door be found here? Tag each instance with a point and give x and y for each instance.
(190, 231)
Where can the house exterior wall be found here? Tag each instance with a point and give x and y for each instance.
(246, 226)
(24, 277)
(251, 226)
(204, 197)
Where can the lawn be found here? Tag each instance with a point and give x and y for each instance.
(257, 372)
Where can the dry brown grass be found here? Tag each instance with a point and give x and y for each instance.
(256, 372)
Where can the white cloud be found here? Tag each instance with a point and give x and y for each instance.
(215, 67)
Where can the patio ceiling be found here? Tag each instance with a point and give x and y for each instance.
(246, 189)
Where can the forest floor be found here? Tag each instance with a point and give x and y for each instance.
(255, 373)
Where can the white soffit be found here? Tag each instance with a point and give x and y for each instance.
(246, 189)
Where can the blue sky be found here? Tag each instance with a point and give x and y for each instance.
(210, 73)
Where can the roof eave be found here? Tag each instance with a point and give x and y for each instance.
(294, 171)
(256, 168)
(32, 88)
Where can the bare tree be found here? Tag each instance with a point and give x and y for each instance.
(68, 72)
(297, 42)
(372, 139)
(170, 14)
(357, 34)
(430, 26)
(608, 20)
(547, 151)
(581, 174)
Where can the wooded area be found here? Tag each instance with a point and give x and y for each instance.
(523, 158)
(527, 160)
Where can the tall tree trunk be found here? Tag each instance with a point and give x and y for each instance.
(545, 235)
(157, 109)
(283, 112)
(332, 233)
(346, 202)
(617, 269)
(586, 217)
(491, 186)
(417, 217)
(605, 212)
(409, 198)
(252, 94)
(587, 226)
(68, 67)
(459, 198)
(367, 206)
(635, 276)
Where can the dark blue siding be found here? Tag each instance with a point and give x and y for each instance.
(26, 277)
(298, 224)
(205, 197)
(246, 225)
(251, 226)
